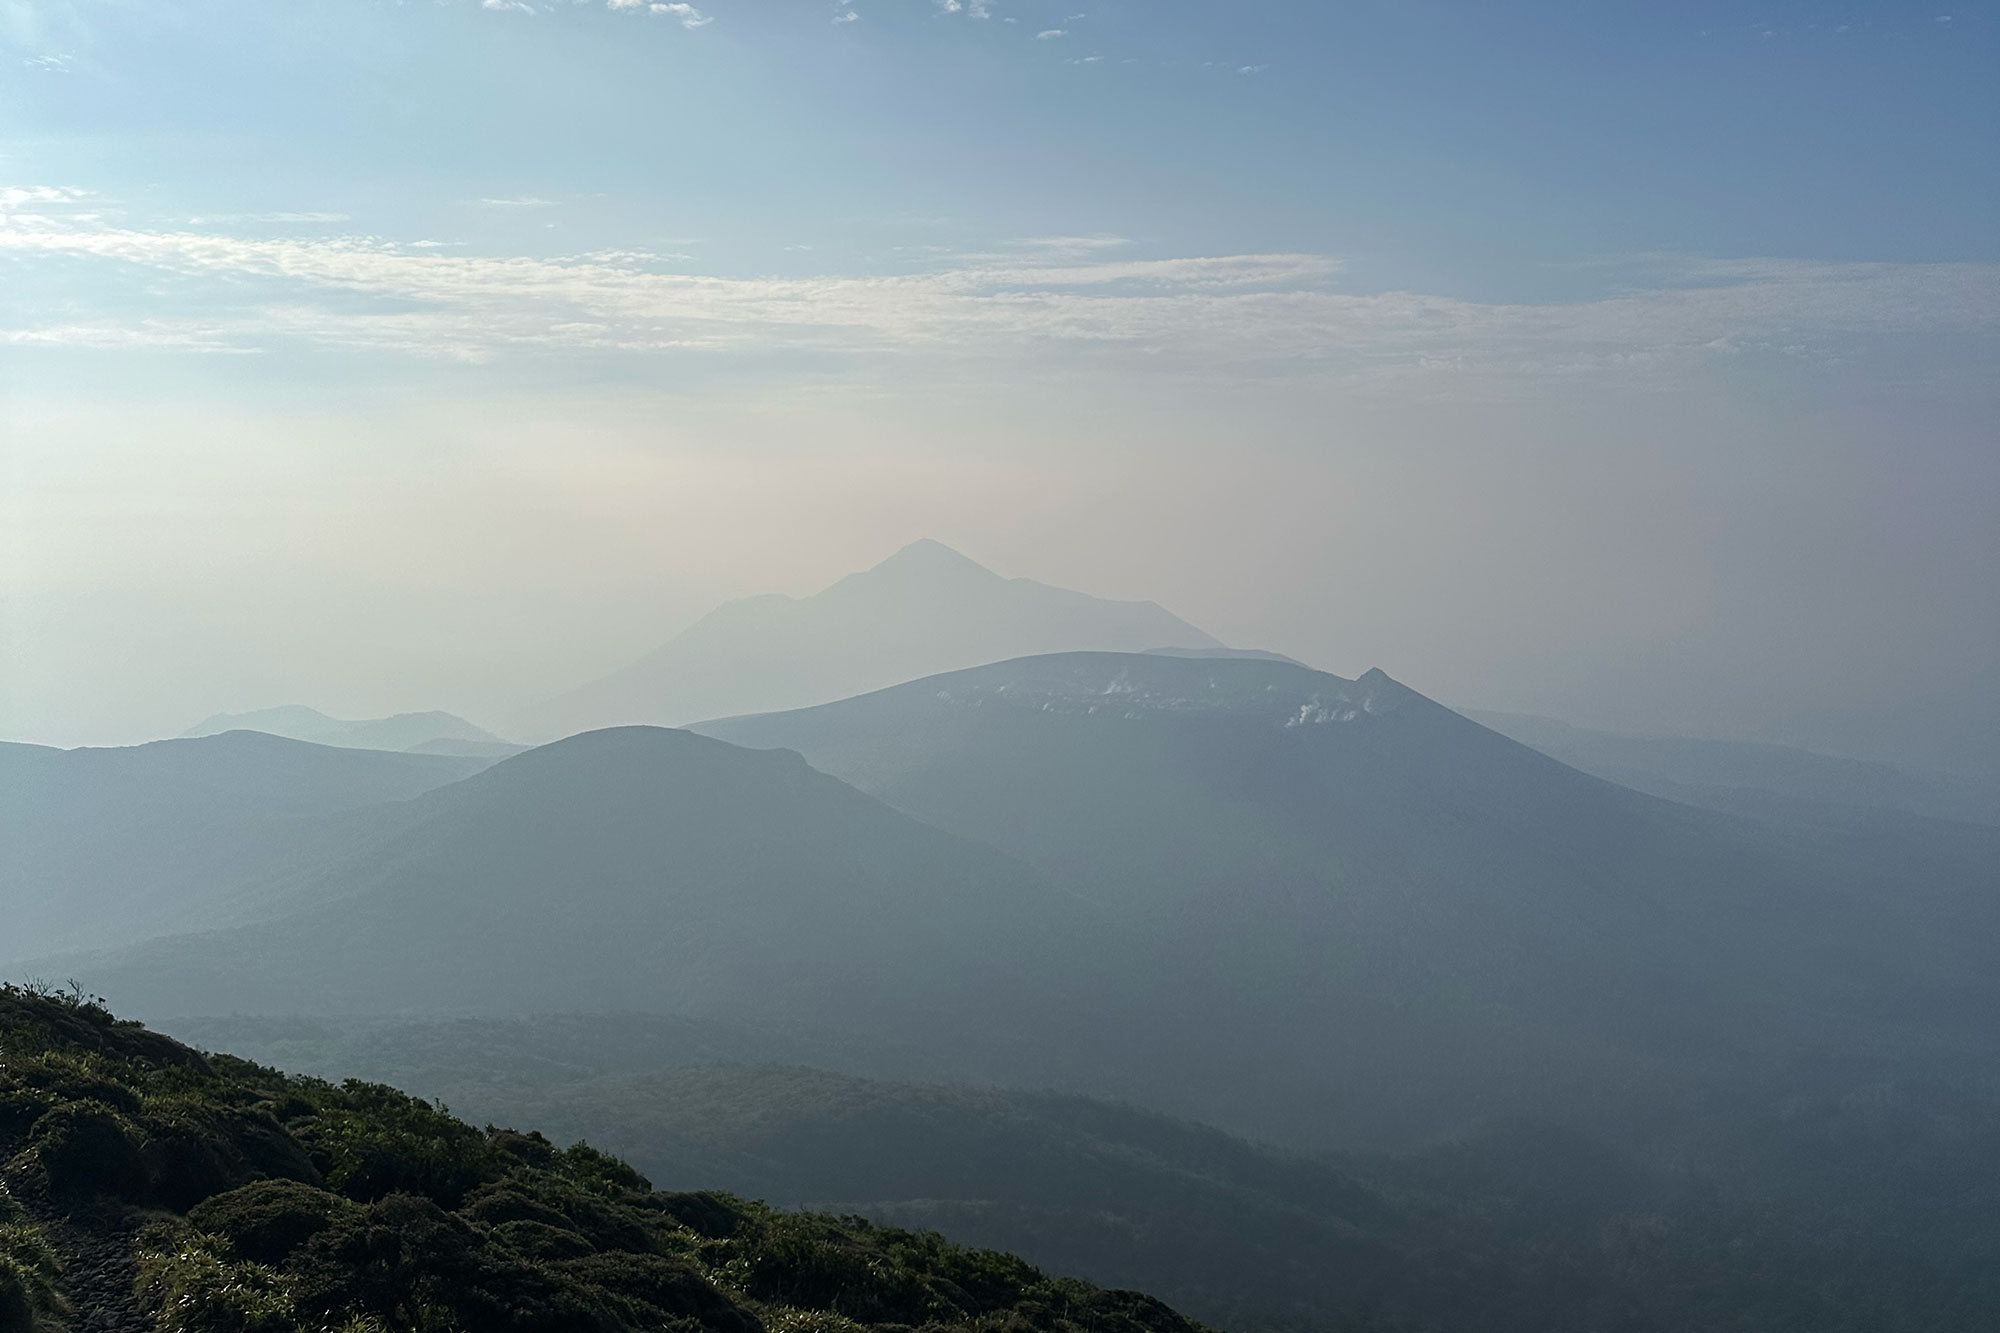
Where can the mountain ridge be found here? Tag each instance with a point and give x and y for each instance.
(400, 731)
(924, 609)
(1723, 774)
(638, 868)
(1352, 868)
(105, 845)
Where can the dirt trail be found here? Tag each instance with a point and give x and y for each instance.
(99, 1277)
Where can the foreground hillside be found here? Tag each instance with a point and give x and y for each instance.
(144, 1186)
(1817, 1207)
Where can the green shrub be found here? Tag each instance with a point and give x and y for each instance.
(533, 1148)
(810, 1321)
(392, 1259)
(796, 1263)
(193, 1290)
(645, 1286)
(17, 1309)
(704, 1212)
(311, 1208)
(186, 1163)
(267, 1221)
(375, 1142)
(19, 1110)
(557, 1201)
(601, 1171)
(87, 1149)
(29, 1273)
(539, 1240)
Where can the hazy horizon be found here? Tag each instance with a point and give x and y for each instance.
(1211, 668)
(1629, 369)
(1885, 744)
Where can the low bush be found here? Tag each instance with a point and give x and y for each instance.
(88, 1149)
(299, 1206)
(192, 1289)
(266, 1222)
(30, 1297)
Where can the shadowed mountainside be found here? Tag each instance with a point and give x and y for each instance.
(641, 868)
(1407, 921)
(1321, 911)
(107, 846)
(1745, 777)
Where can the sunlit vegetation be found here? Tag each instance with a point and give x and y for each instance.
(241, 1200)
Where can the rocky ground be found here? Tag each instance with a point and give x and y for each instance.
(100, 1278)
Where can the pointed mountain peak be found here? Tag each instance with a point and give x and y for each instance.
(927, 558)
(1384, 692)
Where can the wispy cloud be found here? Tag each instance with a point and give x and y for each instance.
(227, 219)
(16, 197)
(1271, 311)
(688, 15)
(118, 335)
(1097, 243)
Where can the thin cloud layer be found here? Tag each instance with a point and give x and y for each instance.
(1272, 312)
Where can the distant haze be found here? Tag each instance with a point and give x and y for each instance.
(405, 731)
(1296, 905)
(1631, 366)
(1001, 615)
(924, 610)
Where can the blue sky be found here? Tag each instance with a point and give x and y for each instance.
(1647, 348)
(1450, 142)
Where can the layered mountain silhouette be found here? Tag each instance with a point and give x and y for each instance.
(923, 610)
(433, 733)
(1382, 916)
(1744, 776)
(648, 869)
(105, 846)
(1319, 910)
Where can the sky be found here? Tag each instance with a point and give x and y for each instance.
(1627, 364)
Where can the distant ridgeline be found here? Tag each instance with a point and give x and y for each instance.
(1325, 913)
(924, 610)
(424, 733)
(144, 1186)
